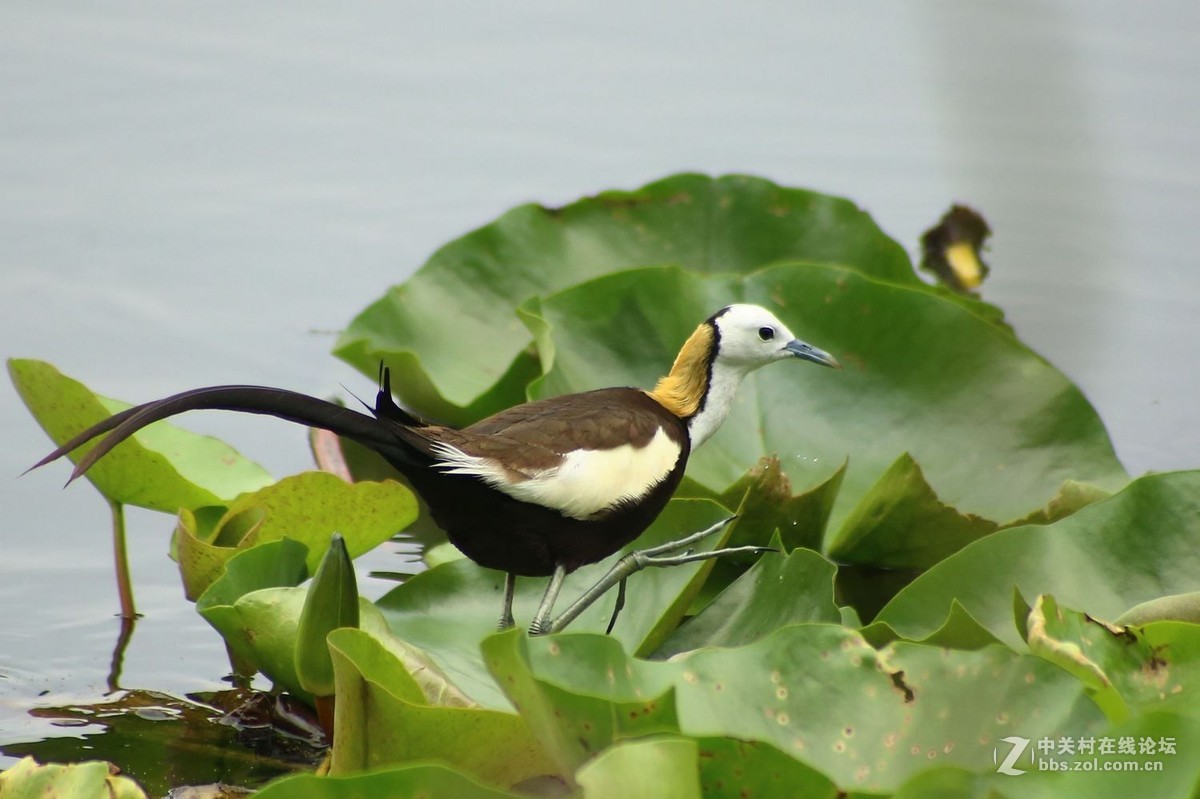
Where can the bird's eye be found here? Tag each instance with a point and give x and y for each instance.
(766, 333)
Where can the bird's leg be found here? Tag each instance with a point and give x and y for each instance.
(641, 558)
(541, 620)
(510, 586)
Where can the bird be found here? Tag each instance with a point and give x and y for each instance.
(545, 487)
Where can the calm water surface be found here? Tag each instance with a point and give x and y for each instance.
(194, 194)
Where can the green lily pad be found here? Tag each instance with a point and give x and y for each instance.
(901, 524)
(306, 507)
(951, 782)
(1071, 496)
(1174, 607)
(575, 722)
(94, 779)
(383, 719)
(776, 591)
(408, 782)
(272, 564)
(1155, 667)
(733, 769)
(868, 719)
(1112, 775)
(161, 467)
(1138, 545)
(727, 224)
(765, 504)
(901, 528)
(995, 428)
(959, 631)
(898, 529)
(654, 768)
(1159, 774)
(356, 463)
(261, 627)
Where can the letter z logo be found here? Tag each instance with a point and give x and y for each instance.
(1018, 748)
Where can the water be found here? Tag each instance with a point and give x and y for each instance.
(200, 194)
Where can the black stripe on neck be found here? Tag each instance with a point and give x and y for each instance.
(711, 359)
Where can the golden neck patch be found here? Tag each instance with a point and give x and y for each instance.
(682, 391)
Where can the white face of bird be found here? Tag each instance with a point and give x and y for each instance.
(752, 336)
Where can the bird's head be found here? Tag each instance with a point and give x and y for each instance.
(749, 336)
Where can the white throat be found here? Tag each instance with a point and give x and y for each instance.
(718, 401)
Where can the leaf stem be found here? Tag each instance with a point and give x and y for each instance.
(121, 561)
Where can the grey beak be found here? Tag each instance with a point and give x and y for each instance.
(810, 353)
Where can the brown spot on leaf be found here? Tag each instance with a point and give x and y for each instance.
(899, 684)
(1116, 630)
(1155, 667)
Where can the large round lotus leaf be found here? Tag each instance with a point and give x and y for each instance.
(733, 769)
(776, 591)
(646, 768)
(1137, 545)
(995, 428)
(450, 333)
(869, 719)
(1112, 775)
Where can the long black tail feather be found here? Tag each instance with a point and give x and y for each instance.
(385, 405)
(385, 434)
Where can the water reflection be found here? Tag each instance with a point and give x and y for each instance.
(164, 742)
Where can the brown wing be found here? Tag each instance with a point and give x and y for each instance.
(536, 435)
